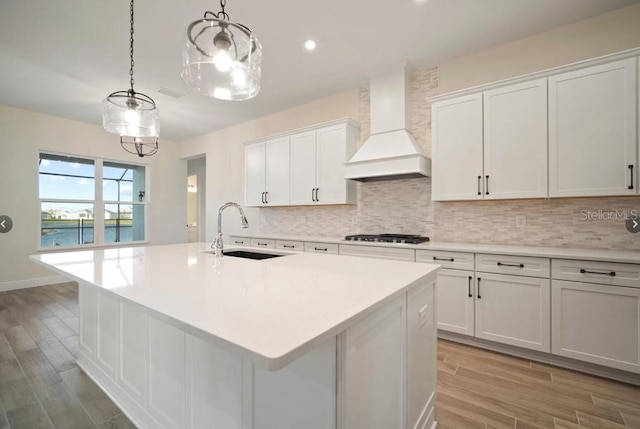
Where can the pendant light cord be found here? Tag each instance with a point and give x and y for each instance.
(131, 48)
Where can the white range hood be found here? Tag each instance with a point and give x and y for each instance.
(390, 152)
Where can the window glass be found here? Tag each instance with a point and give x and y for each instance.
(123, 222)
(66, 224)
(122, 182)
(63, 177)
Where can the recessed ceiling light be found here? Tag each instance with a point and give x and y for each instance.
(310, 45)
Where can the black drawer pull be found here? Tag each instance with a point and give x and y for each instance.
(479, 297)
(502, 264)
(442, 259)
(479, 181)
(286, 246)
(470, 294)
(263, 202)
(324, 249)
(487, 186)
(239, 242)
(601, 273)
(317, 198)
(266, 197)
(631, 175)
(313, 196)
(262, 244)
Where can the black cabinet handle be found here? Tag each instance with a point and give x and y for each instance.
(487, 185)
(470, 294)
(262, 244)
(317, 197)
(286, 246)
(313, 198)
(239, 242)
(263, 198)
(324, 249)
(479, 184)
(479, 297)
(502, 264)
(442, 259)
(631, 175)
(266, 197)
(605, 273)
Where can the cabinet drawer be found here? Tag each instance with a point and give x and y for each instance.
(239, 241)
(518, 265)
(378, 252)
(261, 242)
(321, 247)
(606, 273)
(298, 246)
(455, 260)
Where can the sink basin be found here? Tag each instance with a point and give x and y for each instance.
(250, 255)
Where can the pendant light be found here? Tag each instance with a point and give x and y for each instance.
(221, 59)
(132, 115)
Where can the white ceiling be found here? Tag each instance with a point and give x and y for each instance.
(64, 57)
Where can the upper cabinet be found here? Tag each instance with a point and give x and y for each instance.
(267, 172)
(307, 170)
(567, 132)
(491, 145)
(592, 131)
(457, 149)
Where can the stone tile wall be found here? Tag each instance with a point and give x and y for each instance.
(405, 206)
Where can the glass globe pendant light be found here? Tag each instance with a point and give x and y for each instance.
(132, 115)
(222, 59)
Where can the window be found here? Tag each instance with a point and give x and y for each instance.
(90, 201)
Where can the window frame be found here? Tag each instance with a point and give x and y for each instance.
(98, 203)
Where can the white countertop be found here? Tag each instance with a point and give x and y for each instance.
(271, 311)
(620, 256)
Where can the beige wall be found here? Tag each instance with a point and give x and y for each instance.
(24, 133)
(611, 32)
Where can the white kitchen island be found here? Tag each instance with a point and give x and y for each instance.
(180, 339)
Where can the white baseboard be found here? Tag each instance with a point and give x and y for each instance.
(38, 281)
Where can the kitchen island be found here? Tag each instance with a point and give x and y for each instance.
(181, 339)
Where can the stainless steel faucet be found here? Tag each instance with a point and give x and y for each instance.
(217, 244)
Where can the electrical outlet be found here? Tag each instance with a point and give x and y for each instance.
(521, 221)
(423, 315)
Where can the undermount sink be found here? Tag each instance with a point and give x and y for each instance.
(250, 255)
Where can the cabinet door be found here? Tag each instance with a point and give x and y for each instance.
(278, 173)
(455, 301)
(592, 131)
(457, 149)
(515, 141)
(330, 159)
(254, 174)
(513, 310)
(597, 323)
(303, 167)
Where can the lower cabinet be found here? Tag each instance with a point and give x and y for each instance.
(597, 323)
(408, 255)
(455, 301)
(513, 310)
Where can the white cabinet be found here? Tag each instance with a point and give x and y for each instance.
(455, 301)
(515, 141)
(397, 254)
(596, 312)
(457, 149)
(592, 131)
(513, 310)
(267, 173)
(317, 165)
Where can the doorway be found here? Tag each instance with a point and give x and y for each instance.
(196, 175)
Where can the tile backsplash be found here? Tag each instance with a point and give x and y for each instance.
(405, 206)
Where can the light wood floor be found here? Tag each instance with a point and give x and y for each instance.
(483, 389)
(42, 387)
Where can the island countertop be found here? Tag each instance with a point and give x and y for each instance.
(271, 311)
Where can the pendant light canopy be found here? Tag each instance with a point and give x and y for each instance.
(222, 59)
(132, 115)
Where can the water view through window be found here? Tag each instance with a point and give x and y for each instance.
(68, 204)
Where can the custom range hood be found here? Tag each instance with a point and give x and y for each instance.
(390, 152)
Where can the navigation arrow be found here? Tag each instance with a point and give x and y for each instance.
(2, 223)
(5, 224)
(635, 224)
